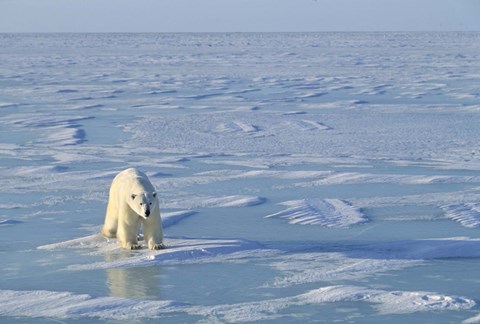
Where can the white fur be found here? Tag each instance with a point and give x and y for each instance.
(131, 195)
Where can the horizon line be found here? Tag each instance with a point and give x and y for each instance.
(240, 32)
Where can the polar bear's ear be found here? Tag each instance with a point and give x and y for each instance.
(154, 194)
(133, 196)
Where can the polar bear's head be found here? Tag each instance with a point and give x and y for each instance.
(143, 203)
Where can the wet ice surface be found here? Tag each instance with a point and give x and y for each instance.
(328, 177)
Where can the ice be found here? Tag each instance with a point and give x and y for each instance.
(7, 222)
(171, 218)
(178, 251)
(367, 140)
(474, 319)
(324, 212)
(302, 268)
(97, 241)
(367, 260)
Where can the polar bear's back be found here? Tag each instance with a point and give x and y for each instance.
(129, 174)
(132, 181)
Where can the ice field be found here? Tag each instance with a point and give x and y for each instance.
(317, 177)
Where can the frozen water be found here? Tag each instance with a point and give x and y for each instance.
(303, 177)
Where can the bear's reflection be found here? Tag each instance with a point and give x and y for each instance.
(142, 283)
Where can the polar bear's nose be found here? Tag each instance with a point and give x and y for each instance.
(147, 212)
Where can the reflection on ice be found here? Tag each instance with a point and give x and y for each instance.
(129, 283)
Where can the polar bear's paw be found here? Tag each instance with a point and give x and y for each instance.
(131, 246)
(160, 246)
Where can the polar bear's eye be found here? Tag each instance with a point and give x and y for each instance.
(141, 204)
(133, 196)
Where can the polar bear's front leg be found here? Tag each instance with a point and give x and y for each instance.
(153, 233)
(127, 234)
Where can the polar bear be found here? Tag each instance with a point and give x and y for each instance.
(133, 200)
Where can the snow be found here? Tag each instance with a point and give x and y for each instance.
(265, 132)
(466, 214)
(357, 177)
(394, 302)
(367, 140)
(65, 305)
(325, 212)
(210, 202)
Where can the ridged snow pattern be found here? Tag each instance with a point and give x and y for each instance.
(324, 212)
(467, 214)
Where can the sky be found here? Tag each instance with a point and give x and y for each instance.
(238, 15)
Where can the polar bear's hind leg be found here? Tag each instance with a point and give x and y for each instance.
(109, 232)
(111, 221)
